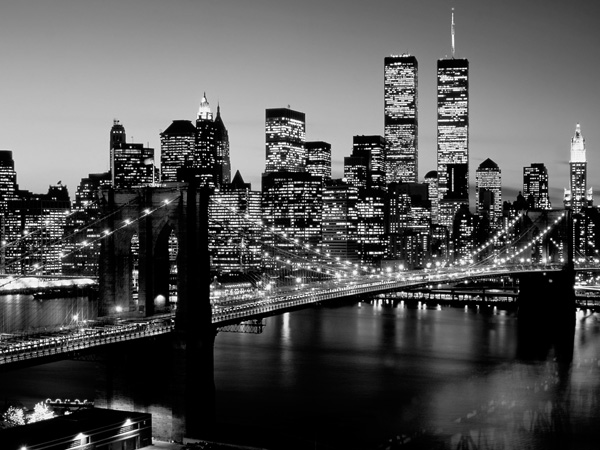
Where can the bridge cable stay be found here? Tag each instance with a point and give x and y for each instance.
(513, 244)
(73, 316)
(63, 239)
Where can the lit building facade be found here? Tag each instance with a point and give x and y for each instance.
(223, 160)
(177, 144)
(452, 136)
(285, 132)
(488, 191)
(433, 195)
(8, 193)
(370, 228)
(235, 229)
(82, 226)
(400, 83)
(318, 159)
(576, 197)
(132, 164)
(535, 186)
(372, 149)
(36, 225)
(205, 154)
(339, 220)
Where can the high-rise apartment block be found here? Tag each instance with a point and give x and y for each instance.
(488, 191)
(535, 186)
(401, 118)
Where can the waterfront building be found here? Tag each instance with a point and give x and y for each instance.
(400, 83)
(204, 162)
(318, 159)
(235, 228)
(177, 146)
(488, 191)
(577, 196)
(535, 186)
(464, 230)
(285, 131)
(8, 193)
(82, 226)
(339, 220)
(356, 171)
(35, 226)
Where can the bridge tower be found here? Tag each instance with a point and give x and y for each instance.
(154, 213)
(546, 301)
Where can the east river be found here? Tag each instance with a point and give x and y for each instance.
(368, 375)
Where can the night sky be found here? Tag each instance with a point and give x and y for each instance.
(69, 67)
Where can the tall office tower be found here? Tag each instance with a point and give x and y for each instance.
(8, 180)
(235, 231)
(452, 134)
(318, 159)
(8, 193)
(370, 228)
(82, 225)
(372, 149)
(400, 81)
(39, 221)
(535, 186)
(578, 174)
(177, 144)
(339, 220)
(432, 183)
(285, 131)
(205, 154)
(117, 140)
(292, 204)
(488, 191)
(356, 171)
(223, 162)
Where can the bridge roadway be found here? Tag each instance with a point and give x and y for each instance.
(40, 347)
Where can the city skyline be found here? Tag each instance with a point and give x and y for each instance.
(74, 67)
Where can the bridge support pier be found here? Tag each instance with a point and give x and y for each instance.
(546, 313)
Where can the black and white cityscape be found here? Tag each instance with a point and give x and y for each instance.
(420, 271)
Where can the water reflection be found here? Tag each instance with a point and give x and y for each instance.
(384, 376)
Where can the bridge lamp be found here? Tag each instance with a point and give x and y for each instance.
(119, 309)
(146, 211)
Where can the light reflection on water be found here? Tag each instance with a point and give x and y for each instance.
(354, 377)
(350, 377)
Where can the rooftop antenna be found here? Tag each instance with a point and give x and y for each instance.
(452, 31)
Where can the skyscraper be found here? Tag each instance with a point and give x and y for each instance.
(8, 180)
(318, 159)
(177, 144)
(372, 148)
(400, 82)
(535, 186)
(205, 154)
(488, 190)
(452, 134)
(131, 164)
(223, 162)
(285, 131)
(578, 172)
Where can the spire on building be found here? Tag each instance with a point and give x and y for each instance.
(452, 32)
(578, 146)
(204, 112)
